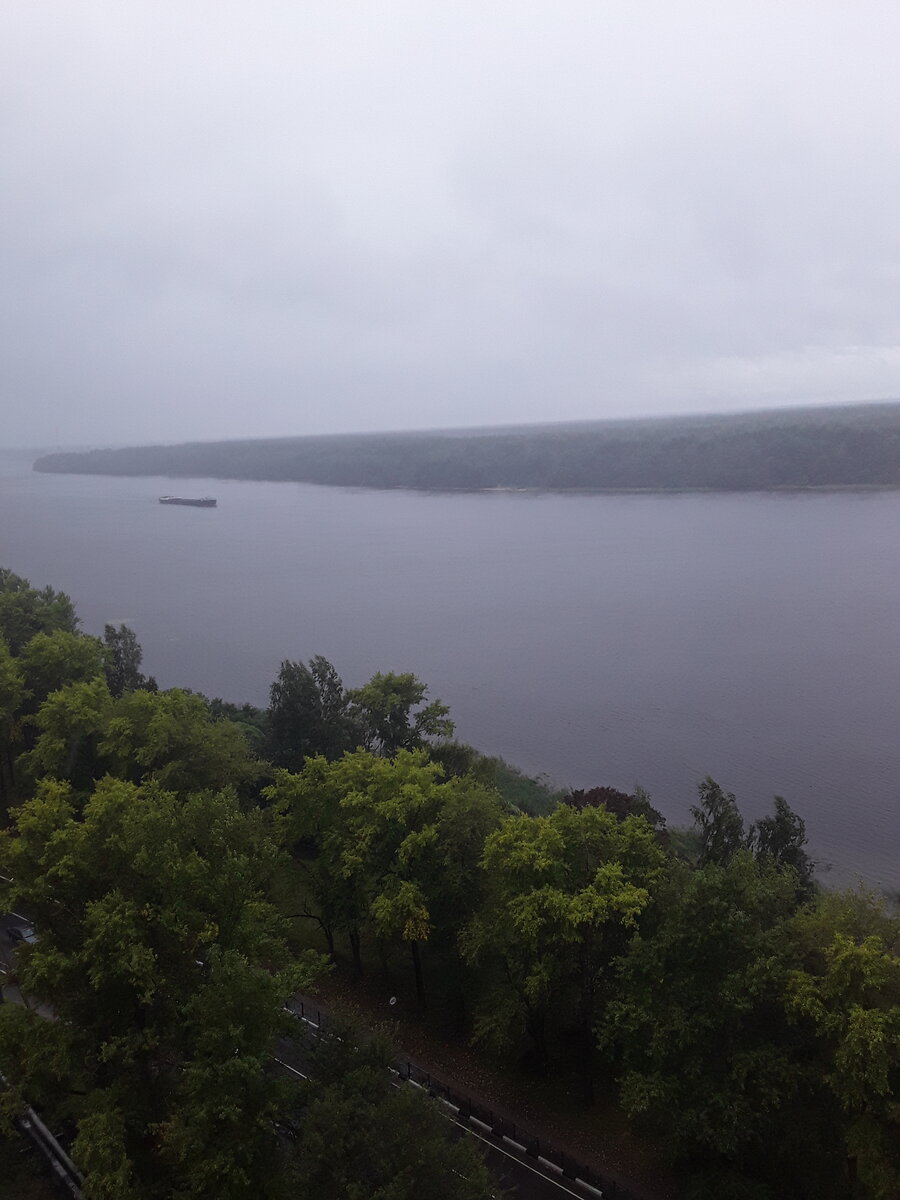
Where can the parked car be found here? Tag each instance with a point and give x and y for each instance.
(22, 933)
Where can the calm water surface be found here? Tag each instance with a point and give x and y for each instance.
(599, 640)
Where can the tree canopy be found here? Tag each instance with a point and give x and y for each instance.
(385, 843)
(362, 1138)
(25, 611)
(166, 971)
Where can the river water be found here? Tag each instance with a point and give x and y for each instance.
(596, 639)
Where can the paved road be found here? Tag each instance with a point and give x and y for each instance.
(517, 1173)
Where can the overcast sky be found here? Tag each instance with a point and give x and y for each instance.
(224, 219)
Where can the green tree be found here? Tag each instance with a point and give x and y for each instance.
(315, 827)
(25, 611)
(564, 895)
(51, 661)
(166, 970)
(252, 721)
(170, 737)
(780, 839)
(849, 996)
(122, 657)
(361, 1137)
(719, 824)
(12, 692)
(698, 1019)
(385, 843)
(83, 734)
(384, 708)
(519, 792)
(69, 725)
(309, 714)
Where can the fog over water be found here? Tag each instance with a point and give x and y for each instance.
(598, 639)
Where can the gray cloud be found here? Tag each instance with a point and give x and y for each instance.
(219, 219)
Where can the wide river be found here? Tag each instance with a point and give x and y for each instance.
(596, 639)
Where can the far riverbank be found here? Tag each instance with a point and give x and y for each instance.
(856, 446)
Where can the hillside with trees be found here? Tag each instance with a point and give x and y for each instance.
(826, 447)
(189, 864)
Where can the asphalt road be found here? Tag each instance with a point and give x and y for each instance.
(517, 1173)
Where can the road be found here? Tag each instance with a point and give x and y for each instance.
(517, 1172)
(516, 1177)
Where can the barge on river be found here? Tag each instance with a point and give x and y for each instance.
(193, 501)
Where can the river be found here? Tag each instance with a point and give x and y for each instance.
(595, 639)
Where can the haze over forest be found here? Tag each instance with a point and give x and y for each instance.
(221, 221)
(850, 447)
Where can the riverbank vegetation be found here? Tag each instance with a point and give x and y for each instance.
(189, 864)
(827, 447)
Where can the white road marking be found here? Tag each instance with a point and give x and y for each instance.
(494, 1146)
(534, 1170)
(288, 1067)
(468, 1129)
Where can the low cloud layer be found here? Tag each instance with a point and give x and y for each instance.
(222, 220)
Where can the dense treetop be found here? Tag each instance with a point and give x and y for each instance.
(850, 446)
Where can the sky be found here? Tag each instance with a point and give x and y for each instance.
(223, 219)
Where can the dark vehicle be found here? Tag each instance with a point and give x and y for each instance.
(22, 933)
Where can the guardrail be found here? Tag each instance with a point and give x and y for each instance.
(31, 1125)
(470, 1112)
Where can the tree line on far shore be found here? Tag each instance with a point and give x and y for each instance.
(189, 863)
(825, 447)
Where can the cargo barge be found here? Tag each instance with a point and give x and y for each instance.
(193, 501)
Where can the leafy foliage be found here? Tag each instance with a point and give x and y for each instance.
(361, 1138)
(780, 839)
(309, 714)
(166, 971)
(25, 611)
(51, 661)
(699, 1021)
(719, 823)
(122, 657)
(384, 843)
(851, 998)
(620, 804)
(564, 893)
(748, 1018)
(84, 733)
(384, 706)
(12, 693)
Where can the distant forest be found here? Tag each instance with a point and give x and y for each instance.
(851, 446)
